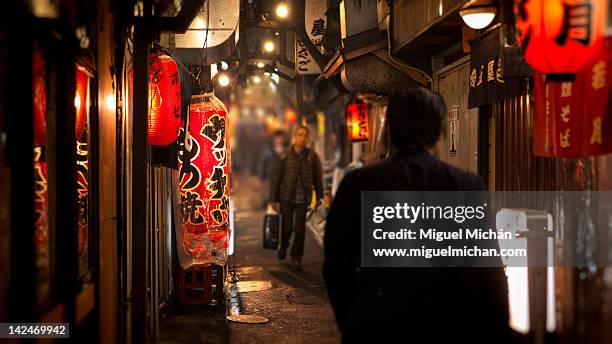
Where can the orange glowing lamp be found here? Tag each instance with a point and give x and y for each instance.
(357, 122)
(81, 100)
(560, 37)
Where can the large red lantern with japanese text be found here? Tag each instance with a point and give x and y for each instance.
(81, 100)
(204, 176)
(39, 97)
(164, 100)
(560, 37)
(357, 122)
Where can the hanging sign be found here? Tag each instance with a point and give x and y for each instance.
(204, 170)
(486, 78)
(574, 118)
(315, 20)
(305, 64)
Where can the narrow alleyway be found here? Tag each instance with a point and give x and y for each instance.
(297, 305)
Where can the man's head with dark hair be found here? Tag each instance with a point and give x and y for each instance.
(415, 118)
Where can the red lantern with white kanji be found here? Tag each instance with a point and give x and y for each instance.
(39, 96)
(204, 176)
(164, 100)
(560, 37)
(81, 100)
(357, 122)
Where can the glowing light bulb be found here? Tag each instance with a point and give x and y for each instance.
(224, 80)
(269, 46)
(282, 10)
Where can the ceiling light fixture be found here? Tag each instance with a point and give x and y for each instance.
(478, 16)
(282, 10)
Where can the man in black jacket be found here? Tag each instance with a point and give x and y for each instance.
(295, 173)
(420, 305)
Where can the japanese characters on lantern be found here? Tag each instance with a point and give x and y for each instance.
(164, 101)
(574, 118)
(560, 36)
(204, 169)
(357, 122)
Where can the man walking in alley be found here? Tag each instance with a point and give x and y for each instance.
(295, 173)
(420, 305)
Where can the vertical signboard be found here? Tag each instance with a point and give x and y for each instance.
(315, 21)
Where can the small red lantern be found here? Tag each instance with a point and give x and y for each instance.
(291, 116)
(164, 100)
(39, 95)
(357, 122)
(560, 37)
(81, 100)
(204, 170)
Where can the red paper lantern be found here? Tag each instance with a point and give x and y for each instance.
(164, 100)
(291, 116)
(357, 122)
(574, 118)
(39, 96)
(204, 172)
(81, 100)
(560, 37)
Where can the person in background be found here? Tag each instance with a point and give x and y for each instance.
(296, 172)
(274, 148)
(420, 305)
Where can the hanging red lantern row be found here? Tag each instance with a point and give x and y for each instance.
(204, 173)
(560, 37)
(574, 118)
(39, 96)
(357, 122)
(81, 100)
(41, 219)
(164, 100)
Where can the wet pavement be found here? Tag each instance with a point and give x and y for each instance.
(296, 305)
